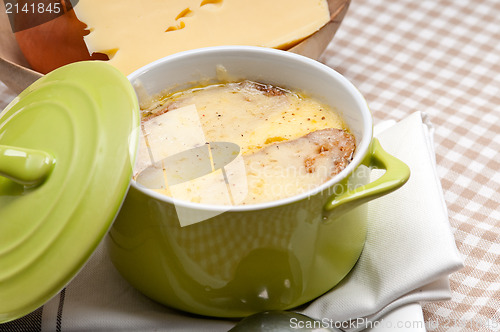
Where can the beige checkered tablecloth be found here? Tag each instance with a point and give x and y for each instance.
(441, 57)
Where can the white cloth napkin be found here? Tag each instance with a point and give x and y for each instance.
(409, 253)
(410, 250)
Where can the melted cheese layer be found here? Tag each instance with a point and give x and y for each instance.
(278, 156)
(241, 113)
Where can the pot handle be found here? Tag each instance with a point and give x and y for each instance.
(396, 174)
(25, 166)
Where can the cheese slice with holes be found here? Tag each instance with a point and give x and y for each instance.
(134, 33)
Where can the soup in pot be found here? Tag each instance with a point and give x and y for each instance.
(240, 143)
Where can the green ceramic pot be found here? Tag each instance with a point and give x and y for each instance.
(270, 256)
(67, 146)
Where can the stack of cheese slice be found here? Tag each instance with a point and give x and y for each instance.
(133, 33)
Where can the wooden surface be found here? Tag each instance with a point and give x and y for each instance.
(315, 45)
(13, 65)
(14, 69)
(8, 45)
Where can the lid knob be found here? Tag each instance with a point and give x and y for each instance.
(25, 166)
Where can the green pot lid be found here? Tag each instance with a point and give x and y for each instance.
(67, 149)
